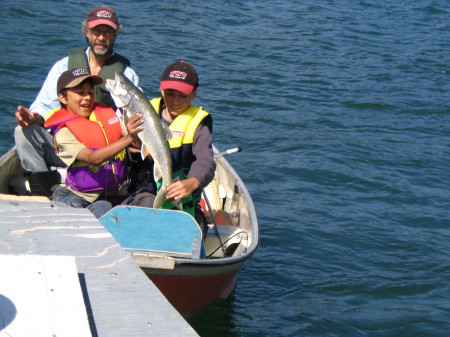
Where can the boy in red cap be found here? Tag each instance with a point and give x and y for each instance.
(191, 144)
(34, 144)
(91, 140)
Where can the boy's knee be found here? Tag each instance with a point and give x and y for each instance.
(18, 133)
(99, 208)
(30, 134)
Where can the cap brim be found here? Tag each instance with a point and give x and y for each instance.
(97, 80)
(180, 86)
(97, 22)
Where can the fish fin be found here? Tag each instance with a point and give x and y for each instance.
(178, 204)
(126, 114)
(167, 131)
(157, 172)
(144, 151)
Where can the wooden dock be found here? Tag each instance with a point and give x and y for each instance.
(73, 256)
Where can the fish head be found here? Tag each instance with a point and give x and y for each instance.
(118, 88)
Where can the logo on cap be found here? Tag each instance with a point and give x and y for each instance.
(178, 74)
(104, 14)
(79, 72)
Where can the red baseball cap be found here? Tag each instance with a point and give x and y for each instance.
(102, 15)
(179, 76)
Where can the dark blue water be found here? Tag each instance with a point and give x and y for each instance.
(342, 109)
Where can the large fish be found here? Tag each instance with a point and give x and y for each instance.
(154, 135)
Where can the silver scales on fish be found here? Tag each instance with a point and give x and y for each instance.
(154, 136)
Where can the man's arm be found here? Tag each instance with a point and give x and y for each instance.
(132, 76)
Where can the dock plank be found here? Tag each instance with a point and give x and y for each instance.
(41, 297)
(120, 299)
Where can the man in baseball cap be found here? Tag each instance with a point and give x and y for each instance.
(103, 15)
(34, 144)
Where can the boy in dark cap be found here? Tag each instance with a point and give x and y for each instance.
(34, 144)
(91, 140)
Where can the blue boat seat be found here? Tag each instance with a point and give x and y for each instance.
(158, 231)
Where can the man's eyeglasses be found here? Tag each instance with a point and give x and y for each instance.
(106, 32)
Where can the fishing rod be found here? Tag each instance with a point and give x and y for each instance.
(213, 219)
(227, 152)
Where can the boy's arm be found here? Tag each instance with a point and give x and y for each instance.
(98, 156)
(182, 188)
(202, 169)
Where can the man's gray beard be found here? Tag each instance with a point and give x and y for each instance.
(102, 52)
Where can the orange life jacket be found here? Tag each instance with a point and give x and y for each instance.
(102, 128)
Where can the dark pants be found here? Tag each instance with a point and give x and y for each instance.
(63, 197)
(141, 198)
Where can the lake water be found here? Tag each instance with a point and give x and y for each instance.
(342, 110)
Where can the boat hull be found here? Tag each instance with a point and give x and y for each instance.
(169, 246)
(192, 289)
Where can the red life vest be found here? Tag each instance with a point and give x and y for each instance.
(102, 128)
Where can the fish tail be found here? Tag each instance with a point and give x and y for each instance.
(160, 198)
